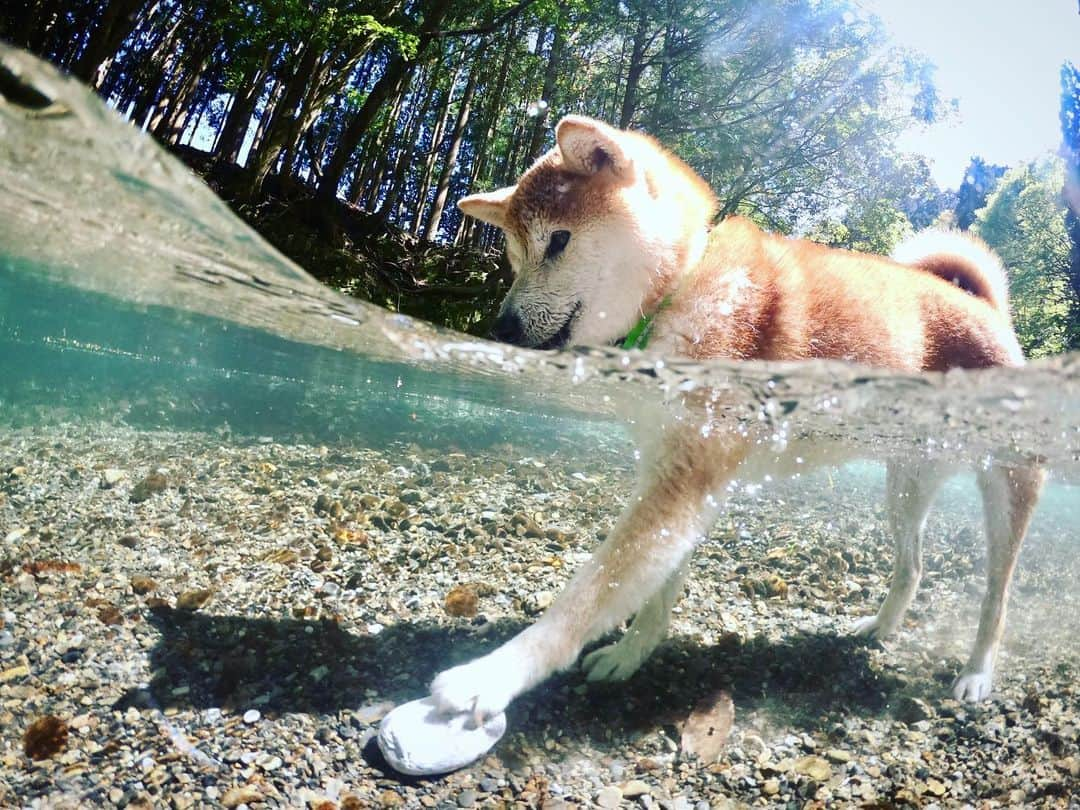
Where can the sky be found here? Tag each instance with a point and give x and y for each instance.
(1000, 59)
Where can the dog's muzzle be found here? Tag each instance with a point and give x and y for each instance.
(509, 329)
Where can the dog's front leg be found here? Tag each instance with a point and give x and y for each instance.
(675, 506)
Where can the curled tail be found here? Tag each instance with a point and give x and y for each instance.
(960, 258)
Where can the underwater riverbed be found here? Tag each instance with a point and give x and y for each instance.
(241, 517)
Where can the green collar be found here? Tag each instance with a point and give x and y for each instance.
(638, 337)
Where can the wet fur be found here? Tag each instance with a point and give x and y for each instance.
(639, 221)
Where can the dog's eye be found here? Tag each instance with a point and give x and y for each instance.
(557, 243)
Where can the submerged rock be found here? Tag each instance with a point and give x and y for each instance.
(151, 485)
(417, 740)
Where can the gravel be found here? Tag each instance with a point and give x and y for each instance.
(188, 621)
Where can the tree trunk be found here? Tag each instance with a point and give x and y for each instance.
(397, 73)
(376, 170)
(264, 120)
(388, 209)
(175, 121)
(117, 21)
(634, 71)
(424, 186)
(551, 73)
(473, 229)
(158, 66)
(663, 84)
(443, 188)
(398, 70)
(355, 192)
(495, 104)
(281, 131)
(467, 225)
(238, 121)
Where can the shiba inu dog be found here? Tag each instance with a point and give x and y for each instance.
(609, 235)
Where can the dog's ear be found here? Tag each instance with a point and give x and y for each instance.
(490, 207)
(589, 147)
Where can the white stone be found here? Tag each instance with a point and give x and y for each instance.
(110, 477)
(417, 740)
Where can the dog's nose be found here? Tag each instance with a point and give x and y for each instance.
(509, 329)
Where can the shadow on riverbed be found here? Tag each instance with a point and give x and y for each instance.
(287, 665)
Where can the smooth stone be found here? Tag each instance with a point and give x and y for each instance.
(111, 477)
(609, 797)
(417, 740)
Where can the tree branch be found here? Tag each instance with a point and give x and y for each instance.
(492, 26)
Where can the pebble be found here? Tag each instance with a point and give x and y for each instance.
(143, 585)
(911, 710)
(391, 798)
(16, 534)
(151, 485)
(330, 588)
(609, 797)
(236, 796)
(110, 477)
(467, 798)
(252, 716)
(538, 602)
(194, 599)
(814, 767)
(462, 601)
(373, 713)
(268, 762)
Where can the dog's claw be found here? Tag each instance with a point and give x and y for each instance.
(973, 687)
(609, 663)
(871, 627)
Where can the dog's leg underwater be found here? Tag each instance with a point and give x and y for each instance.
(911, 489)
(672, 512)
(618, 661)
(1009, 496)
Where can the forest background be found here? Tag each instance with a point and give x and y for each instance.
(345, 130)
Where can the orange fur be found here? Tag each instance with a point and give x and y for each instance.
(803, 300)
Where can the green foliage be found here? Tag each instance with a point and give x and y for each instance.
(1024, 221)
(874, 228)
(903, 198)
(1070, 151)
(980, 180)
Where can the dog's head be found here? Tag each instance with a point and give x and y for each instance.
(596, 231)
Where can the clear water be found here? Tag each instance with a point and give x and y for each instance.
(130, 297)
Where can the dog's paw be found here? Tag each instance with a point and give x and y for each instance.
(973, 687)
(873, 627)
(483, 687)
(615, 662)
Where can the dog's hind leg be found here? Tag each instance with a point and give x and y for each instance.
(911, 488)
(1009, 497)
(618, 661)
